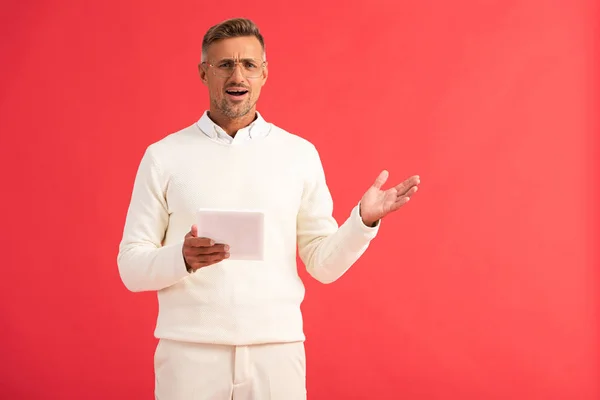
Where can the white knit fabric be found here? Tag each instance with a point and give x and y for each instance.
(234, 302)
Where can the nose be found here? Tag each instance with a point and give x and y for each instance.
(237, 75)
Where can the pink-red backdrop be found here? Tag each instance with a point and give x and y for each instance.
(484, 287)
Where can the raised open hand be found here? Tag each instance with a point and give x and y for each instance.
(377, 203)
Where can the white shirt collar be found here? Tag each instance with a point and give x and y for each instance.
(258, 128)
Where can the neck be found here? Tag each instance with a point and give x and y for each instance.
(232, 125)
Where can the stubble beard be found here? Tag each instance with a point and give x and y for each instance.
(233, 111)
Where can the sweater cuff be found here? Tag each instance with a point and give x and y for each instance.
(179, 270)
(370, 231)
(357, 234)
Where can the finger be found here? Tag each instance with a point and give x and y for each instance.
(217, 248)
(200, 242)
(381, 179)
(409, 192)
(403, 199)
(205, 260)
(193, 232)
(194, 254)
(399, 203)
(408, 184)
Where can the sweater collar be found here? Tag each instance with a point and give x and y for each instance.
(258, 128)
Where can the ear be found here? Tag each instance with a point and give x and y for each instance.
(202, 72)
(265, 75)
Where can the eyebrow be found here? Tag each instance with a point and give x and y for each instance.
(240, 58)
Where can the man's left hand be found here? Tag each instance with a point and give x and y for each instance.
(377, 203)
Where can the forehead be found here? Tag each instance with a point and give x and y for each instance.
(239, 47)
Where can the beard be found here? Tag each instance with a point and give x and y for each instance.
(233, 111)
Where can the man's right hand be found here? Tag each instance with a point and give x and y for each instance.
(202, 252)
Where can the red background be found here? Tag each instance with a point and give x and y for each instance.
(483, 287)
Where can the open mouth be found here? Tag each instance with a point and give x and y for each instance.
(236, 92)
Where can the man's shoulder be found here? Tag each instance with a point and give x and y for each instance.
(173, 141)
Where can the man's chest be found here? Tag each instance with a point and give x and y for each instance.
(272, 186)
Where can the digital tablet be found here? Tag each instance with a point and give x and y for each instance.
(242, 230)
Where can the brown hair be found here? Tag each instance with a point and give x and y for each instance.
(231, 28)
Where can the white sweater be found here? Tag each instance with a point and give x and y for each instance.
(234, 302)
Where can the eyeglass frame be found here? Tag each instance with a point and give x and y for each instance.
(237, 61)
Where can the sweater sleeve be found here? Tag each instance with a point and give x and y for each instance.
(144, 263)
(327, 250)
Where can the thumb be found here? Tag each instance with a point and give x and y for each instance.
(381, 179)
(194, 231)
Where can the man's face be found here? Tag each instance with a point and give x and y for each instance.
(233, 87)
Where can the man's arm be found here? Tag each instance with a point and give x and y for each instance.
(326, 250)
(144, 264)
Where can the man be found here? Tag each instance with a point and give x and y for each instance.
(229, 328)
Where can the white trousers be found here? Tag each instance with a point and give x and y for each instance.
(192, 371)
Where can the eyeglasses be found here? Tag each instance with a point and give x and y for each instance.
(251, 67)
